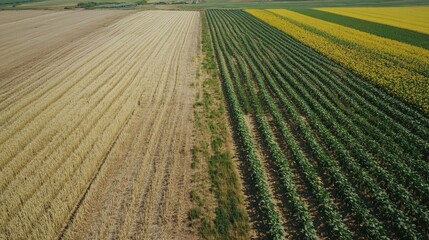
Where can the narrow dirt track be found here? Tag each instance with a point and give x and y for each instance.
(95, 139)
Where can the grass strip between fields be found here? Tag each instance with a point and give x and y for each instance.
(395, 33)
(213, 145)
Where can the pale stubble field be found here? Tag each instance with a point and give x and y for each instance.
(96, 124)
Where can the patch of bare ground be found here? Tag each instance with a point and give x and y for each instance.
(256, 220)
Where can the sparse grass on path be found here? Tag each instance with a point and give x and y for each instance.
(227, 219)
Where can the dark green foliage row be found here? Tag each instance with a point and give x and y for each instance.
(13, 1)
(295, 4)
(367, 146)
(248, 150)
(274, 149)
(93, 5)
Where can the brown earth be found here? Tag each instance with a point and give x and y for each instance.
(96, 138)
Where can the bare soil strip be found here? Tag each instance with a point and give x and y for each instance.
(105, 122)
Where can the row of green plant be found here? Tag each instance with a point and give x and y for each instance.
(396, 146)
(345, 124)
(337, 227)
(247, 145)
(396, 191)
(333, 116)
(332, 216)
(337, 91)
(274, 150)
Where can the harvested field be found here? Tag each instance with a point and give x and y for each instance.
(12, 16)
(95, 138)
(28, 36)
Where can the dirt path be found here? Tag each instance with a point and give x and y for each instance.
(99, 133)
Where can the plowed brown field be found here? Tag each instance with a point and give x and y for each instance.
(95, 138)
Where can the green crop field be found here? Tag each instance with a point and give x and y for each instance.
(12, 1)
(362, 177)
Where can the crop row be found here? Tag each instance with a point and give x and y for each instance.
(322, 121)
(401, 68)
(248, 149)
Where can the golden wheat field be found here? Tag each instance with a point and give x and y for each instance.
(96, 124)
